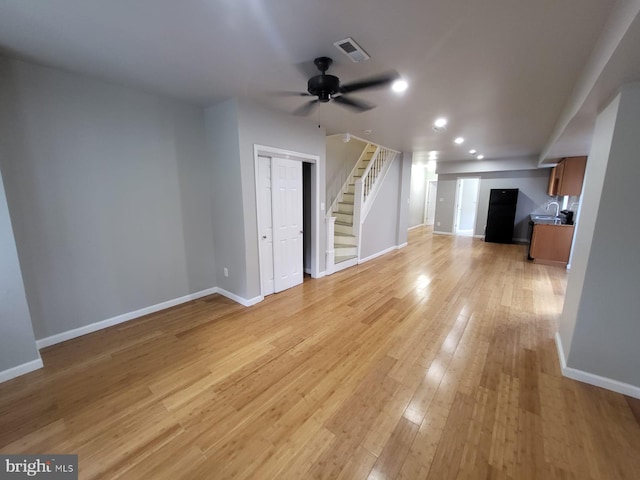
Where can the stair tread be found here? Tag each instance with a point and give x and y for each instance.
(345, 203)
(340, 234)
(343, 258)
(344, 224)
(343, 245)
(344, 213)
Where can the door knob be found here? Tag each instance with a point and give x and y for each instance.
(264, 236)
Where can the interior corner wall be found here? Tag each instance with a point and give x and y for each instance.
(259, 126)
(227, 213)
(106, 195)
(341, 158)
(607, 326)
(379, 230)
(17, 342)
(532, 198)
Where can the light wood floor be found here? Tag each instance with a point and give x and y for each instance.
(436, 361)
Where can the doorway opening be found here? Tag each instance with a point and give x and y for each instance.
(430, 200)
(287, 200)
(467, 190)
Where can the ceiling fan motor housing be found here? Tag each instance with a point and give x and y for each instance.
(323, 86)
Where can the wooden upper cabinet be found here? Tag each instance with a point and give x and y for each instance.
(567, 176)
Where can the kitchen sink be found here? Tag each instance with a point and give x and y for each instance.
(550, 219)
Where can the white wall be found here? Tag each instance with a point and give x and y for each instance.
(600, 324)
(17, 342)
(532, 198)
(108, 190)
(420, 177)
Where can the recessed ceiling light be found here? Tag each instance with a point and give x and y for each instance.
(480, 157)
(473, 152)
(459, 141)
(399, 86)
(440, 123)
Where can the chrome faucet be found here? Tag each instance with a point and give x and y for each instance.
(557, 210)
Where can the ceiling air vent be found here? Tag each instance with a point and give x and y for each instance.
(352, 50)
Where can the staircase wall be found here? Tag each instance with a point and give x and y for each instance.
(386, 225)
(341, 158)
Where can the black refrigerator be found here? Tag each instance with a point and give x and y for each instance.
(502, 215)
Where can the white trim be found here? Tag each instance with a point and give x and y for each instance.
(438, 232)
(322, 274)
(402, 245)
(380, 253)
(592, 378)
(14, 372)
(125, 317)
(477, 236)
(316, 212)
(242, 301)
(417, 226)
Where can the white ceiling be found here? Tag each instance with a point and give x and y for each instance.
(501, 71)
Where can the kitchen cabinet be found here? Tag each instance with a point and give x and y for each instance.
(567, 176)
(551, 244)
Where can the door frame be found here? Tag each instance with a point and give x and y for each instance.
(314, 160)
(456, 209)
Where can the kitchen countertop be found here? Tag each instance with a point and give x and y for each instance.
(537, 219)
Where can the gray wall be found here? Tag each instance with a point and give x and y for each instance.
(341, 158)
(606, 327)
(17, 342)
(108, 192)
(379, 230)
(532, 198)
(404, 190)
(226, 186)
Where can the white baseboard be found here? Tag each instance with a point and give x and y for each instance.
(14, 372)
(379, 254)
(416, 226)
(320, 274)
(125, 317)
(592, 378)
(242, 301)
(438, 232)
(402, 245)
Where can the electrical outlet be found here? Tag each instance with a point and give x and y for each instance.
(226, 271)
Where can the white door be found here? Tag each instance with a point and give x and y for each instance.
(265, 225)
(286, 187)
(430, 211)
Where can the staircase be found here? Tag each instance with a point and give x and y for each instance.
(350, 207)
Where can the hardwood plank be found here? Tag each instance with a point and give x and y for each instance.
(435, 361)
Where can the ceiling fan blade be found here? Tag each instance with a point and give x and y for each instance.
(354, 104)
(306, 108)
(371, 82)
(285, 93)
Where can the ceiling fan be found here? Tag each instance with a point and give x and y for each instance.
(327, 88)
